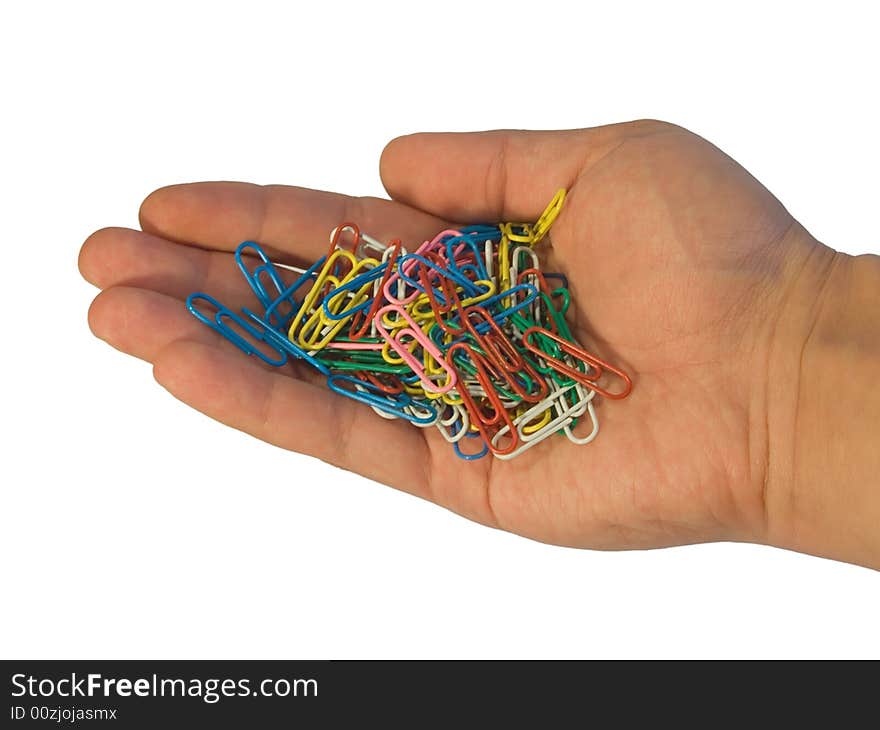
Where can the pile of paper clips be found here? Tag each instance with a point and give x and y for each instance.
(465, 334)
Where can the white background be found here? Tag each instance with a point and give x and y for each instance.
(134, 527)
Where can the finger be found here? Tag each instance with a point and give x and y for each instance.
(141, 323)
(298, 221)
(497, 175)
(293, 414)
(232, 388)
(240, 392)
(114, 257)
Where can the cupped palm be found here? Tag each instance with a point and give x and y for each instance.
(672, 251)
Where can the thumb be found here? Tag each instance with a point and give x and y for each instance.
(497, 175)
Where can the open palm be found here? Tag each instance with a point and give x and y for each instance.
(674, 255)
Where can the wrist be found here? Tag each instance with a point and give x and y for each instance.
(823, 481)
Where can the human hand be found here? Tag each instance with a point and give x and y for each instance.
(683, 270)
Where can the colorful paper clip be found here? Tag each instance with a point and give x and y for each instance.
(464, 334)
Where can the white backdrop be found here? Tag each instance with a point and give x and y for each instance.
(135, 527)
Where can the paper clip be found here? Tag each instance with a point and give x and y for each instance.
(591, 361)
(464, 335)
(221, 322)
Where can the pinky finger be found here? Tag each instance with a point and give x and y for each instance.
(292, 414)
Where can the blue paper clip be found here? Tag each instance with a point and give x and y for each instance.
(218, 324)
(368, 393)
(271, 335)
(478, 267)
(287, 296)
(562, 278)
(267, 268)
(481, 233)
(352, 286)
(501, 314)
(466, 284)
(470, 457)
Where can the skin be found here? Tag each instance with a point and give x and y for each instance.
(685, 271)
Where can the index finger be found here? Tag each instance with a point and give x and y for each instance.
(289, 220)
